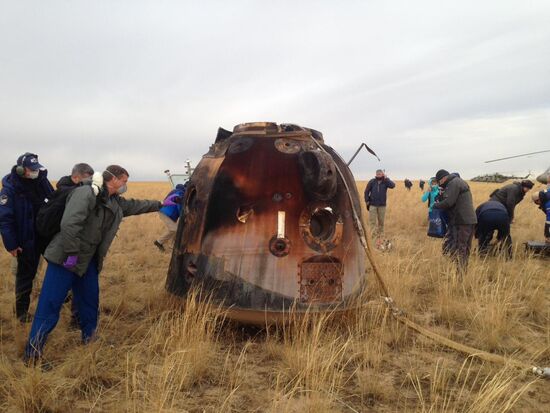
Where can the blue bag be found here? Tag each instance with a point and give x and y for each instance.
(438, 223)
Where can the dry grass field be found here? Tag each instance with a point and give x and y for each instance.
(156, 353)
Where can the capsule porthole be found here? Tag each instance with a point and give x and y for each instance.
(322, 224)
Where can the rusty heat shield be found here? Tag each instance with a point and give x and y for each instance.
(267, 225)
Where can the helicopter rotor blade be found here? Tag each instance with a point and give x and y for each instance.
(517, 156)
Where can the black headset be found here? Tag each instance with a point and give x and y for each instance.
(20, 169)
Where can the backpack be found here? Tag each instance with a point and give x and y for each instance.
(48, 219)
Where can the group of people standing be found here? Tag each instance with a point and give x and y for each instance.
(450, 200)
(90, 216)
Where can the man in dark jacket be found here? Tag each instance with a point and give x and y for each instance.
(456, 199)
(81, 173)
(511, 195)
(492, 216)
(375, 199)
(75, 255)
(23, 193)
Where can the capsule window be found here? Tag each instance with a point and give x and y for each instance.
(322, 224)
(321, 227)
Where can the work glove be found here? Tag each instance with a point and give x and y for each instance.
(70, 262)
(97, 182)
(171, 200)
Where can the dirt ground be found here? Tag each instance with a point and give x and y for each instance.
(157, 353)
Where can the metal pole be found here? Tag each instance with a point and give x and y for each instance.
(167, 172)
(355, 154)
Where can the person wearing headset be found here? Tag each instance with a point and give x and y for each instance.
(23, 193)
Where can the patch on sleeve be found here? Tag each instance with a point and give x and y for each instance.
(3, 199)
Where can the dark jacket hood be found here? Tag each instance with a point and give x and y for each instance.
(449, 179)
(65, 183)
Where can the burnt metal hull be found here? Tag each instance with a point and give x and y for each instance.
(267, 226)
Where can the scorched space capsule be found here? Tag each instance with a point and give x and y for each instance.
(267, 225)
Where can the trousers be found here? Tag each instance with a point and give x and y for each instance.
(57, 283)
(490, 221)
(27, 265)
(458, 244)
(171, 228)
(377, 215)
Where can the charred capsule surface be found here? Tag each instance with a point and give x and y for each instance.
(267, 225)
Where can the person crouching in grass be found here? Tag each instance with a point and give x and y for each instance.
(75, 255)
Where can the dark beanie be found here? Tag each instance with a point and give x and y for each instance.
(441, 174)
(527, 183)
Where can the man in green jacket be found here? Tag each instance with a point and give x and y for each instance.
(75, 255)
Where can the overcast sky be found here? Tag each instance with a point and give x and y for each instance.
(145, 84)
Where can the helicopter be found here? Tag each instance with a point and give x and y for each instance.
(497, 178)
(542, 178)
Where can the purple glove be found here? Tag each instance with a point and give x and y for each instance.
(70, 262)
(171, 200)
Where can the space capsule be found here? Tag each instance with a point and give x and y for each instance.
(268, 227)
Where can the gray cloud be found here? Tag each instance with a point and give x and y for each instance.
(147, 83)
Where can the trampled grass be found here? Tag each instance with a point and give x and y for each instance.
(157, 353)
